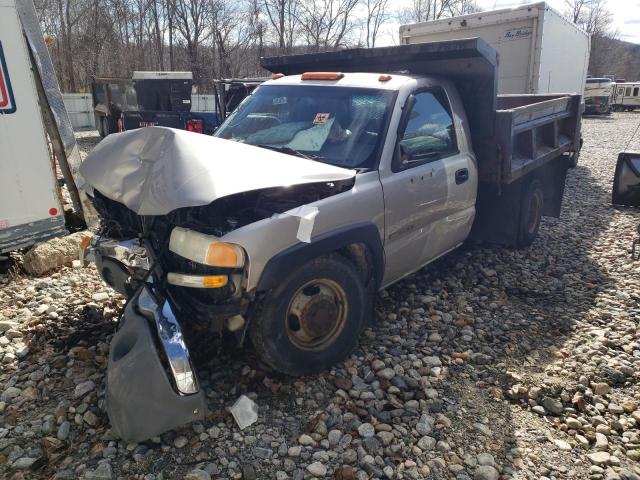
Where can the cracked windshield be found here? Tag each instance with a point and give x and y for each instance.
(341, 126)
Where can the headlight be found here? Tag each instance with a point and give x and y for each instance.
(205, 249)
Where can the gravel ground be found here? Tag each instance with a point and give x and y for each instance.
(490, 363)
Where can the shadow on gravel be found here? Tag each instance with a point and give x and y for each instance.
(503, 311)
(523, 306)
(497, 309)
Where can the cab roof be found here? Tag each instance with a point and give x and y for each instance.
(350, 79)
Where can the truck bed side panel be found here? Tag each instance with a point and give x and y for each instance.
(531, 130)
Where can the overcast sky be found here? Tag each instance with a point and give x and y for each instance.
(626, 17)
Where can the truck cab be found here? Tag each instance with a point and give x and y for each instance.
(428, 179)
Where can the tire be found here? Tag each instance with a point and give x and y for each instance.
(290, 338)
(99, 127)
(531, 205)
(105, 126)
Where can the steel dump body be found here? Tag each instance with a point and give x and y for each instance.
(511, 134)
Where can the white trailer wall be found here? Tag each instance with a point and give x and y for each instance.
(538, 50)
(564, 58)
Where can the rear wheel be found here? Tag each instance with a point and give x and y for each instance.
(313, 318)
(105, 126)
(531, 204)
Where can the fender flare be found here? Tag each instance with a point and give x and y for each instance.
(284, 262)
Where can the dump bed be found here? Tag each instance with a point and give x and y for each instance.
(511, 134)
(530, 131)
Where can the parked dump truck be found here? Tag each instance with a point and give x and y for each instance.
(334, 180)
(540, 51)
(33, 127)
(148, 99)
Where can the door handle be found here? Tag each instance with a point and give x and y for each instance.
(462, 176)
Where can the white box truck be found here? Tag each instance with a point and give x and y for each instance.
(539, 50)
(30, 207)
(35, 135)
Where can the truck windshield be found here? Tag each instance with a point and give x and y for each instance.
(341, 126)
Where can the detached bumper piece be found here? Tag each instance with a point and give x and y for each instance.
(145, 399)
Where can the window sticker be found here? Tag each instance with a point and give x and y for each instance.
(311, 139)
(279, 100)
(321, 118)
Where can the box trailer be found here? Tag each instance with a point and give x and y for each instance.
(36, 137)
(539, 50)
(626, 96)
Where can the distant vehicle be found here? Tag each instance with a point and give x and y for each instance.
(163, 99)
(230, 92)
(147, 99)
(539, 50)
(626, 96)
(35, 136)
(597, 95)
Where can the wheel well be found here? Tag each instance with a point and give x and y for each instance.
(359, 243)
(361, 257)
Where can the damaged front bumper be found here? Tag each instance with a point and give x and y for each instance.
(117, 261)
(144, 396)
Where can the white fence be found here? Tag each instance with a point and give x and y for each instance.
(80, 107)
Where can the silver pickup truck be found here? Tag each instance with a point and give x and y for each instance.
(345, 173)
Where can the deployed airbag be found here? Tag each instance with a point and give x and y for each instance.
(155, 170)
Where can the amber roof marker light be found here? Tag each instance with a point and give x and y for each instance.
(322, 76)
(276, 76)
(384, 78)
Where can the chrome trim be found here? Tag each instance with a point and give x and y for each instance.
(129, 252)
(172, 341)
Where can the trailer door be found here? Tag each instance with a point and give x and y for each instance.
(30, 208)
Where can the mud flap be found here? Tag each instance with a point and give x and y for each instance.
(141, 401)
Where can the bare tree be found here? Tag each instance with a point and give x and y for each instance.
(425, 10)
(191, 19)
(326, 23)
(376, 15)
(284, 17)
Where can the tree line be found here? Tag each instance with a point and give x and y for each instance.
(226, 38)
(211, 38)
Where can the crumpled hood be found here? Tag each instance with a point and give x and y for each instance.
(155, 170)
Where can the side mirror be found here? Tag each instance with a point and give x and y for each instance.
(626, 181)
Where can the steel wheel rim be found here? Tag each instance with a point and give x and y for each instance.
(316, 314)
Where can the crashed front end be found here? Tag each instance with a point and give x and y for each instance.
(173, 276)
(165, 214)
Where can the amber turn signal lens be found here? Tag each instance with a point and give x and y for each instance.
(223, 254)
(322, 76)
(84, 243)
(214, 281)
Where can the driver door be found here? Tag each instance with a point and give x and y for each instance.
(429, 195)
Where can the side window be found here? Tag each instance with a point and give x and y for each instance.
(635, 91)
(627, 92)
(620, 91)
(430, 133)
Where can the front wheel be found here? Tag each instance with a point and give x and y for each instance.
(531, 204)
(313, 318)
